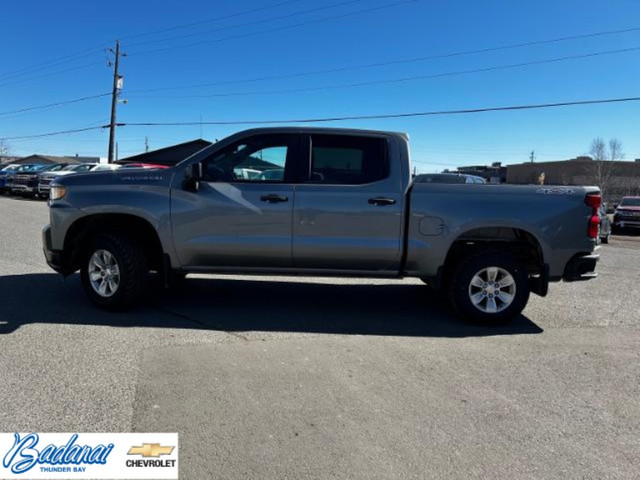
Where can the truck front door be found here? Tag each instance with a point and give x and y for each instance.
(241, 214)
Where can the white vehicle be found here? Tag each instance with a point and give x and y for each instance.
(105, 167)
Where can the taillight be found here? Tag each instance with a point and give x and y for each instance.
(593, 200)
(594, 226)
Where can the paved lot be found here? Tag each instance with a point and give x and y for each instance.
(329, 378)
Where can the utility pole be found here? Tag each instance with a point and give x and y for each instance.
(532, 156)
(115, 93)
(146, 144)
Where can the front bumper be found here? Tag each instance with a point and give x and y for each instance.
(54, 258)
(633, 222)
(581, 267)
(22, 188)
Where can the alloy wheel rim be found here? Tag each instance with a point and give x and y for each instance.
(104, 273)
(492, 290)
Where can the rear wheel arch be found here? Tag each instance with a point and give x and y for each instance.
(521, 244)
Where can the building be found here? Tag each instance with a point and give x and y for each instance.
(494, 173)
(168, 155)
(616, 179)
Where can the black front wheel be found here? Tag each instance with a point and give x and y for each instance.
(489, 287)
(114, 272)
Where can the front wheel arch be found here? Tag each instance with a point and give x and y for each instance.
(84, 231)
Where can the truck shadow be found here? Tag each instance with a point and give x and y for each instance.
(232, 305)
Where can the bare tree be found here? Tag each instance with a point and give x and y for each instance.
(615, 150)
(5, 150)
(602, 168)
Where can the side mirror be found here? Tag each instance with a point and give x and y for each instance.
(192, 177)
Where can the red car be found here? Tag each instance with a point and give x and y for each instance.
(143, 165)
(627, 215)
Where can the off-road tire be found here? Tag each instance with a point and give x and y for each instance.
(133, 271)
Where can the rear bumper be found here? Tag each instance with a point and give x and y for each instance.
(581, 267)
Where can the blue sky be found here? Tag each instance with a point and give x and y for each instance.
(225, 43)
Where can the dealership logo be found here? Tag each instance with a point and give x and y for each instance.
(26, 454)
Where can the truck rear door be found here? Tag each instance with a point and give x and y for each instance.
(348, 205)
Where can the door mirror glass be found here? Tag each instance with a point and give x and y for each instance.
(193, 175)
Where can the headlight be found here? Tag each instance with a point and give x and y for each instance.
(57, 192)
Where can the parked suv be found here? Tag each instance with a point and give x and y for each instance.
(627, 215)
(4, 173)
(25, 182)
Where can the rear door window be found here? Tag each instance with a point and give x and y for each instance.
(346, 160)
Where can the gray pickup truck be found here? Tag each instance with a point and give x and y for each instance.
(321, 202)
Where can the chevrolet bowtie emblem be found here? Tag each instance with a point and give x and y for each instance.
(150, 450)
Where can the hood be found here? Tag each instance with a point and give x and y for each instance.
(57, 174)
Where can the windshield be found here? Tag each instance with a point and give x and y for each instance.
(77, 168)
(36, 168)
(630, 202)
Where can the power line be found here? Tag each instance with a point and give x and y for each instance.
(210, 20)
(402, 79)
(83, 53)
(339, 119)
(51, 134)
(255, 22)
(48, 64)
(56, 104)
(276, 29)
(387, 116)
(25, 80)
(396, 62)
